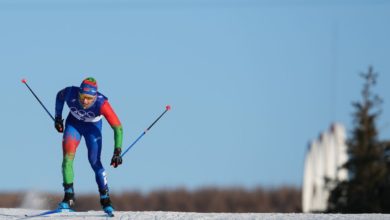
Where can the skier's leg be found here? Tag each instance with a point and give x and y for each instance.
(71, 140)
(93, 139)
(94, 143)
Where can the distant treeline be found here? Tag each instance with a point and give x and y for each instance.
(210, 199)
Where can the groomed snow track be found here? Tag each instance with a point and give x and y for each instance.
(154, 215)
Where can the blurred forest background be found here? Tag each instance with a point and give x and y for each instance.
(208, 199)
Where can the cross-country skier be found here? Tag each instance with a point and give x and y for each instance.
(86, 108)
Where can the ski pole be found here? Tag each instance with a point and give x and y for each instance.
(25, 83)
(167, 108)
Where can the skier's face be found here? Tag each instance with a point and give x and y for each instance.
(86, 100)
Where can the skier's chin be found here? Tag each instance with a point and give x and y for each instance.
(85, 106)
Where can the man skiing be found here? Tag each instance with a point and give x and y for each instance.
(86, 108)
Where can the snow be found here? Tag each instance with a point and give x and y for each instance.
(34, 200)
(159, 215)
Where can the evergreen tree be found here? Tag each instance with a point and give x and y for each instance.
(368, 182)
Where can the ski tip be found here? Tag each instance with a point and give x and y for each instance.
(24, 81)
(168, 107)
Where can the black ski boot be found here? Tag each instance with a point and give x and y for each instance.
(105, 201)
(69, 199)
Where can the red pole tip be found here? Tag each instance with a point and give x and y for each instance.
(168, 107)
(24, 80)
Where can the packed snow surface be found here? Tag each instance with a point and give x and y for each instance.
(152, 215)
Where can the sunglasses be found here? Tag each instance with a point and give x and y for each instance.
(87, 97)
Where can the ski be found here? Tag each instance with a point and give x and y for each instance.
(108, 212)
(49, 212)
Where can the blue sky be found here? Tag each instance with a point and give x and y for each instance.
(250, 84)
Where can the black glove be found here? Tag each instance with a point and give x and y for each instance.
(116, 158)
(59, 124)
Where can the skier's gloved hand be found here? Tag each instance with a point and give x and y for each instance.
(116, 158)
(59, 124)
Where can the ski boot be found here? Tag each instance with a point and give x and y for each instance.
(68, 201)
(105, 201)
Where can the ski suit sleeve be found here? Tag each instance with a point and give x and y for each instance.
(107, 111)
(60, 100)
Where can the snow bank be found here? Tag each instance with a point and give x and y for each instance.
(21, 214)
